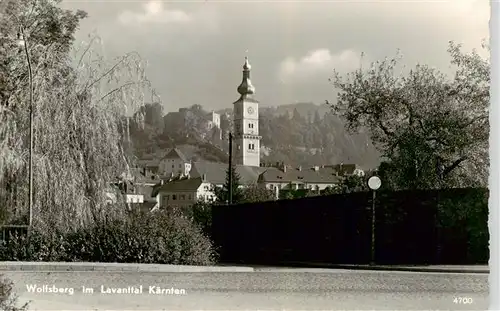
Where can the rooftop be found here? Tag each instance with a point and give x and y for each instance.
(175, 154)
(188, 184)
(309, 175)
(216, 172)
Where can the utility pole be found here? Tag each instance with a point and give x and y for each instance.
(374, 184)
(230, 168)
(23, 41)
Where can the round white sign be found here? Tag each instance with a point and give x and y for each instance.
(374, 183)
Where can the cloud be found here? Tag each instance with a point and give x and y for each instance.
(318, 62)
(154, 12)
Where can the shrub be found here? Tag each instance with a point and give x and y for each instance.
(8, 300)
(159, 237)
(201, 215)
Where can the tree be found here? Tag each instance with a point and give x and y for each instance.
(352, 183)
(222, 193)
(201, 215)
(288, 195)
(431, 128)
(348, 184)
(255, 193)
(79, 101)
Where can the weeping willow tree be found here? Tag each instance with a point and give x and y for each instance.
(81, 102)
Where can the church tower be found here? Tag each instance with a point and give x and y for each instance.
(246, 123)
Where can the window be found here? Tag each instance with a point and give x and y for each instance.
(190, 197)
(251, 146)
(250, 125)
(180, 165)
(173, 166)
(174, 197)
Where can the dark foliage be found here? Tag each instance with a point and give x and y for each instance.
(160, 237)
(256, 193)
(201, 215)
(222, 193)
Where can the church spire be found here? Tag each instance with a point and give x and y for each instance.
(246, 88)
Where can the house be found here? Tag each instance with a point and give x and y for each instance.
(150, 165)
(125, 188)
(287, 178)
(136, 185)
(215, 173)
(144, 181)
(174, 163)
(183, 192)
(279, 177)
(186, 190)
(346, 169)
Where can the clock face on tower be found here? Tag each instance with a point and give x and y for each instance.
(250, 110)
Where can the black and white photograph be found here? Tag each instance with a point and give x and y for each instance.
(246, 155)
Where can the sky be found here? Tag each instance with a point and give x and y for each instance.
(196, 49)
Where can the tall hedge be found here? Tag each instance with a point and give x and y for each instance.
(463, 216)
(158, 237)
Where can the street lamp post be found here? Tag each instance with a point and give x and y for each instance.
(374, 184)
(230, 179)
(23, 41)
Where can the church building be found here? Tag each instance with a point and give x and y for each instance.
(246, 123)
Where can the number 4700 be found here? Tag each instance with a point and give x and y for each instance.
(462, 300)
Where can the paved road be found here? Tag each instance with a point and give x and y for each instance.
(282, 289)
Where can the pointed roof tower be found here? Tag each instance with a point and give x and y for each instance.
(246, 89)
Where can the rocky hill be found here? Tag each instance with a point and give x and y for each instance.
(299, 134)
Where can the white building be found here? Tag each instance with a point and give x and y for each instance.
(130, 198)
(125, 190)
(174, 163)
(246, 123)
(183, 192)
(213, 126)
(213, 120)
